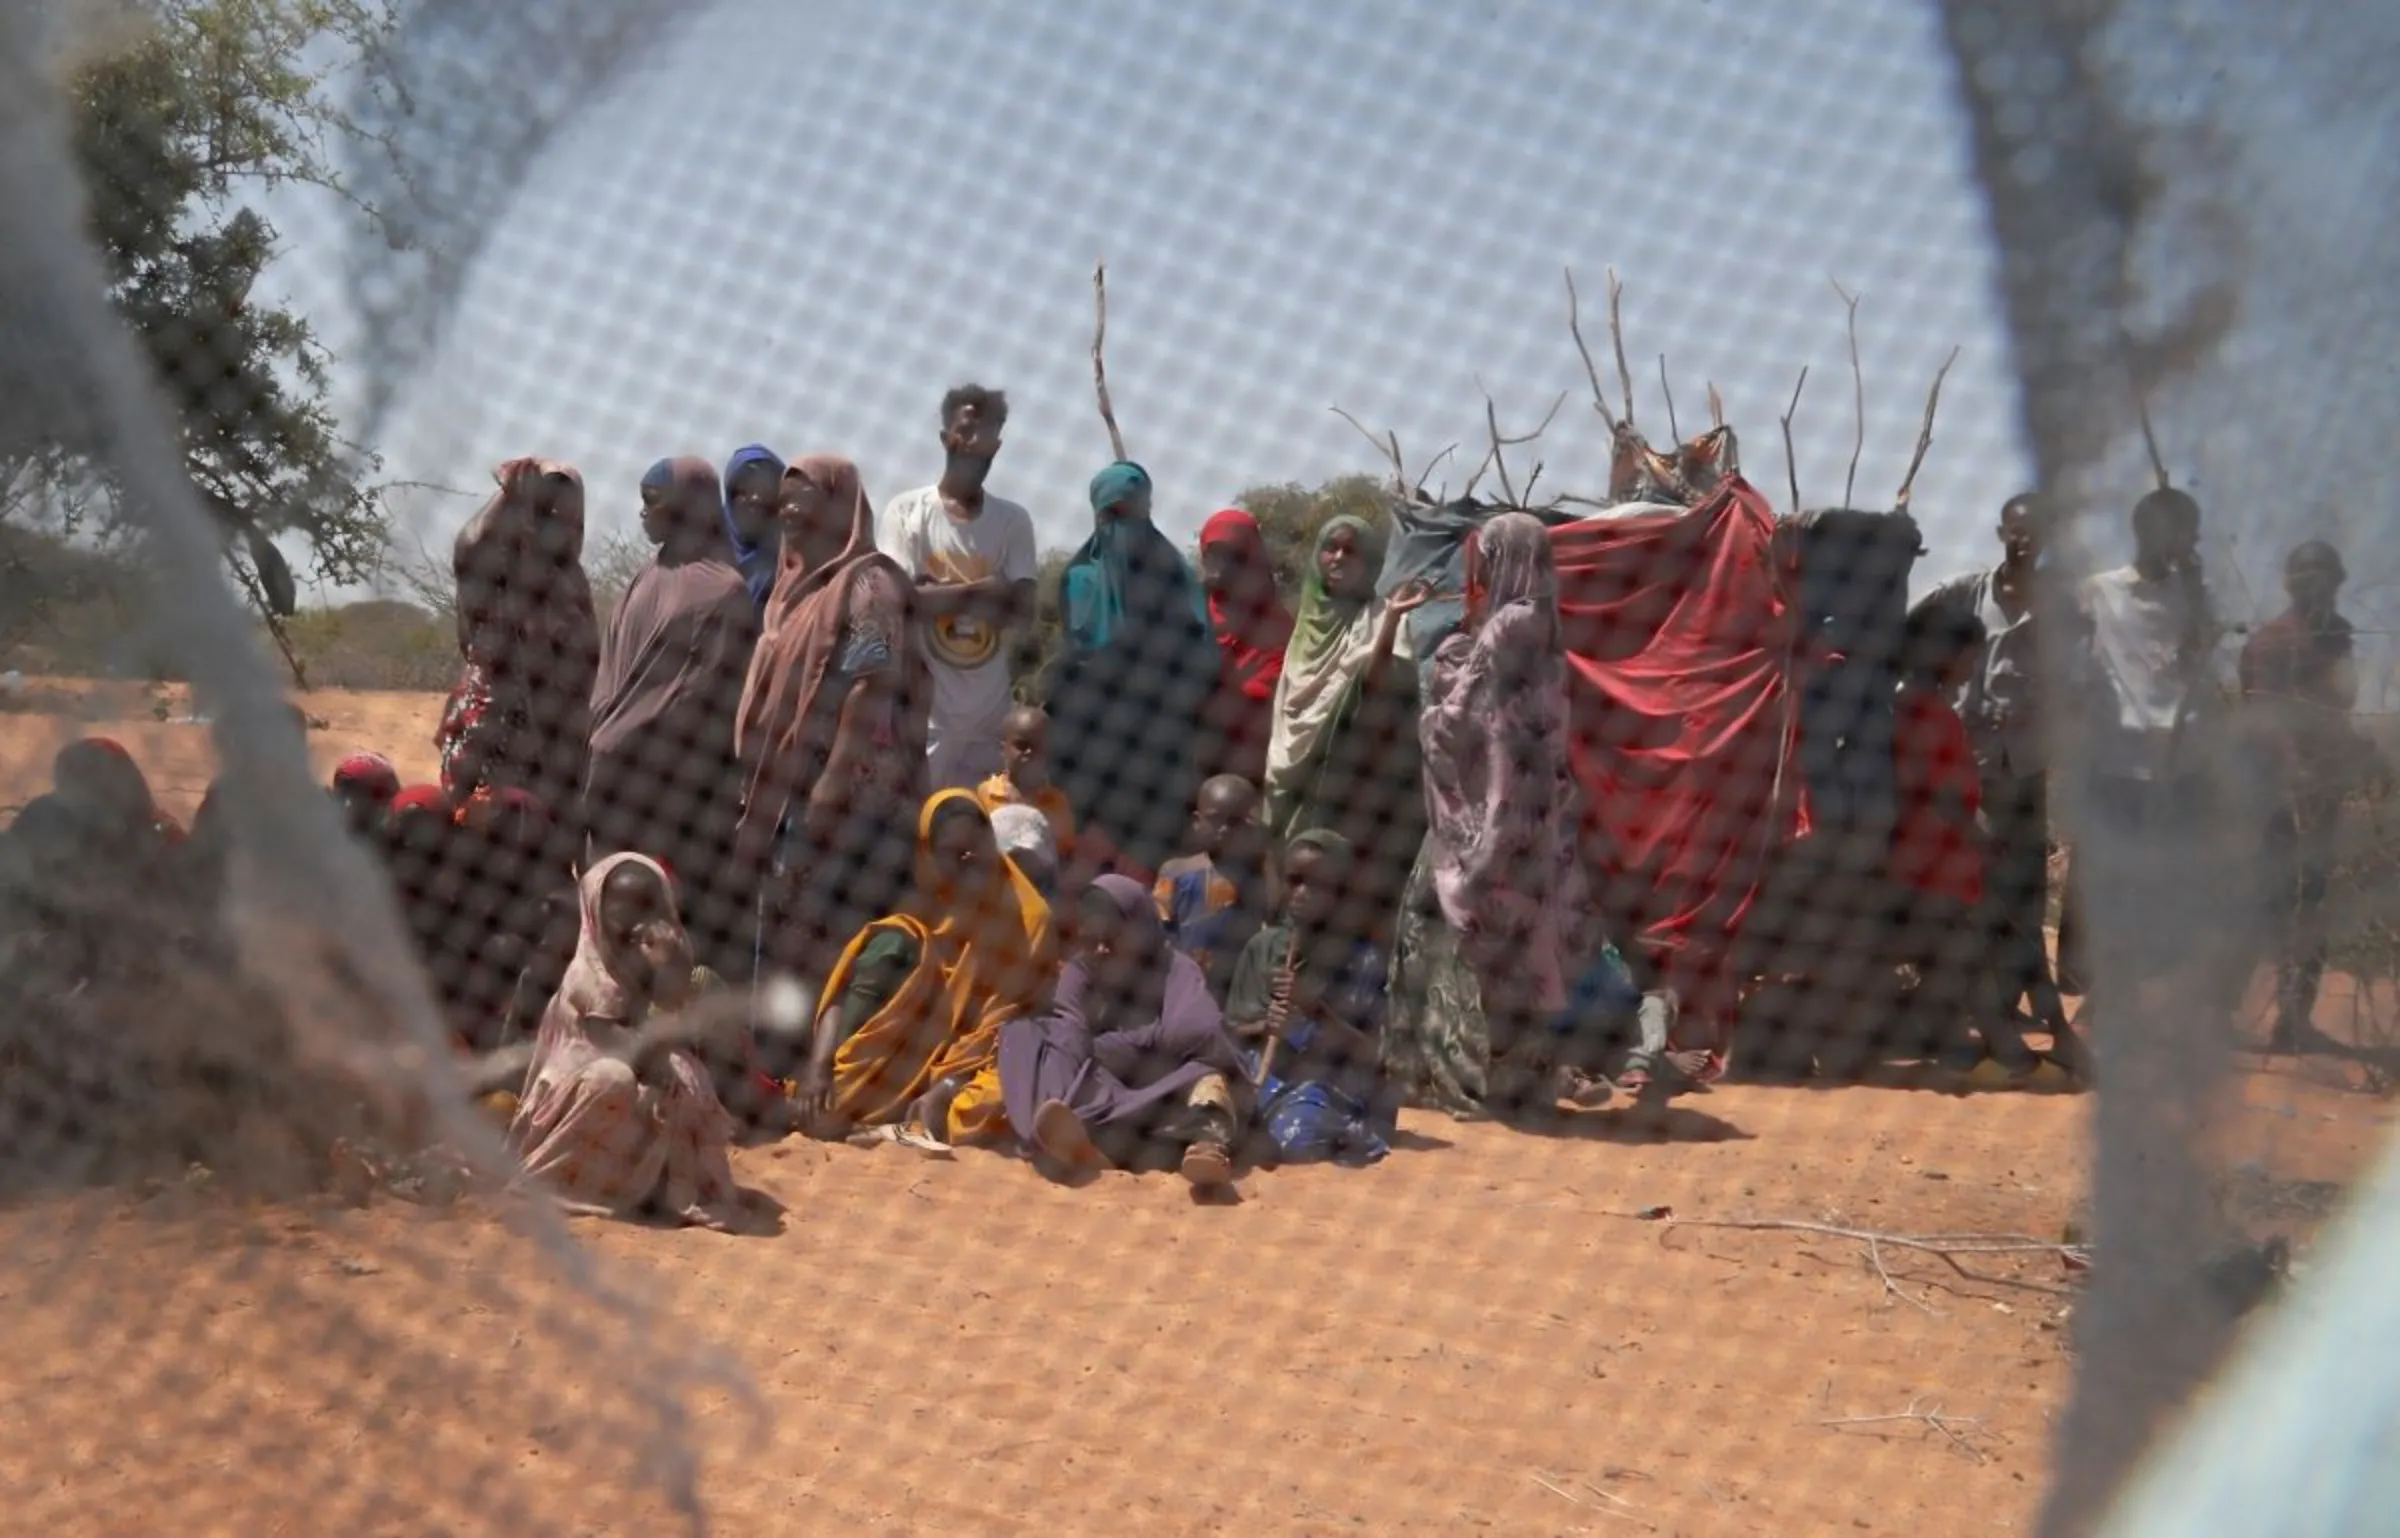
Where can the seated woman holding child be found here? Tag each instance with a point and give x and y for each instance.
(1132, 1058)
(618, 1117)
(908, 1027)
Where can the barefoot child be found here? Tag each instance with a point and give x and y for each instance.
(1024, 780)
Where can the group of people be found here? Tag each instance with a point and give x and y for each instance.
(2167, 752)
(1225, 880)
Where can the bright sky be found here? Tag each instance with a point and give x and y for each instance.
(802, 221)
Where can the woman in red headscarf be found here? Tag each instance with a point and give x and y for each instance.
(1252, 628)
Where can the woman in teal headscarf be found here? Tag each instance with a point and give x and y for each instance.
(1127, 699)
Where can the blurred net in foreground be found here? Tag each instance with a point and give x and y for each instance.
(211, 1358)
(2190, 253)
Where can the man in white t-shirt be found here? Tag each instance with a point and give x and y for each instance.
(2152, 707)
(972, 555)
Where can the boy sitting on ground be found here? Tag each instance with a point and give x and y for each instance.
(1307, 1004)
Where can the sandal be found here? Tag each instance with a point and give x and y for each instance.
(1207, 1166)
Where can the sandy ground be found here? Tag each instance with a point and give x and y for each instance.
(1482, 1335)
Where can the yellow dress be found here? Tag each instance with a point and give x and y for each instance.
(972, 973)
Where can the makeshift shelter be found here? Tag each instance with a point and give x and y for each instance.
(1680, 640)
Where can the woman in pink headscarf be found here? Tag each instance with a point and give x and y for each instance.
(618, 1118)
(1498, 917)
(832, 728)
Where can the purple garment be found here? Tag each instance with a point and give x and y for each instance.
(1115, 1059)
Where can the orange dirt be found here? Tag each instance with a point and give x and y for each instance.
(1469, 1338)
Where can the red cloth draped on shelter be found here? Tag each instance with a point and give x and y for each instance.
(1679, 641)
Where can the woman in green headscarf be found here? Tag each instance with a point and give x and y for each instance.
(1343, 753)
(1127, 699)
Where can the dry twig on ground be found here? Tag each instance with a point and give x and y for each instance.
(1960, 1431)
(1946, 1248)
(1858, 382)
(1916, 461)
(1108, 411)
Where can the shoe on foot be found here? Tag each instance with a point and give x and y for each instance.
(1207, 1166)
(1060, 1133)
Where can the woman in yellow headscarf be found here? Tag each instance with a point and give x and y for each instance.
(909, 1025)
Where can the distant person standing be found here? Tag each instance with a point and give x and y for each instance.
(2001, 706)
(971, 555)
(2147, 644)
(2299, 685)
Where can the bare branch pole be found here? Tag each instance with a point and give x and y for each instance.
(1616, 336)
(2141, 407)
(1496, 458)
(1108, 411)
(257, 595)
(1716, 406)
(1858, 381)
(1791, 461)
(1417, 492)
(1673, 431)
(1388, 445)
(1591, 369)
(1916, 461)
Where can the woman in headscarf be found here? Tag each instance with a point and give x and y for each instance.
(753, 487)
(617, 1116)
(1132, 1057)
(128, 843)
(1343, 752)
(98, 780)
(364, 785)
(664, 780)
(1252, 629)
(908, 1028)
(529, 644)
(1498, 918)
(831, 734)
(1128, 697)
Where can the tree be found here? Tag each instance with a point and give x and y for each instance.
(209, 102)
(1291, 516)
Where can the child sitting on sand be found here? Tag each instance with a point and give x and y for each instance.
(1306, 1003)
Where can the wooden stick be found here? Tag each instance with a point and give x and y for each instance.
(1933, 400)
(1108, 412)
(1791, 462)
(1495, 458)
(1616, 336)
(1591, 370)
(1716, 406)
(2141, 407)
(1673, 431)
(1279, 1006)
(1858, 379)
